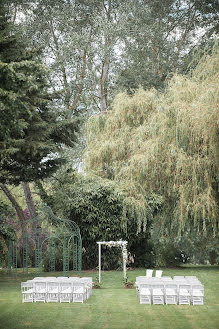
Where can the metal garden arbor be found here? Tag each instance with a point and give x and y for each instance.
(43, 233)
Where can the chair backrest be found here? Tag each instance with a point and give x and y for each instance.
(179, 277)
(185, 286)
(40, 285)
(52, 285)
(65, 285)
(171, 286)
(62, 278)
(158, 286)
(25, 286)
(77, 285)
(196, 286)
(192, 280)
(166, 279)
(39, 278)
(50, 278)
(158, 274)
(191, 277)
(149, 273)
(143, 285)
(141, 278)
(87, 280)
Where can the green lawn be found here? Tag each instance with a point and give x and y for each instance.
(112, 306)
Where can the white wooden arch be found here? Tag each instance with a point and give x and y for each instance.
(122, 245)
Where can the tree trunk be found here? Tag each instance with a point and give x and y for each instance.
(63, 70)
(29, 200)
(17, 207)
(106, 61)
(103, 85)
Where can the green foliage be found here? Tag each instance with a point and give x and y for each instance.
(82, 39)
(31, 131)
(97, 206)
(167, 255)
(161, 38)
(165, 146)
(128, 284)
(7, 232)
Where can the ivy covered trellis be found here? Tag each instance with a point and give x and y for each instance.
(43, 233)
(122, 245)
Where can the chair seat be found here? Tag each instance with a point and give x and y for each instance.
(170, 291)
(157, 292)
(54, 291)
(41, 291)
(145, 296)
(145, 291)
(184, 292)
(78, 291)
(66, 291)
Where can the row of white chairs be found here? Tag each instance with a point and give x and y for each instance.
(166, 290)
(60, 289)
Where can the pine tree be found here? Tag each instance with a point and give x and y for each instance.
(31, 130)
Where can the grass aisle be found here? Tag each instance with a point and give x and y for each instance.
(112, 306)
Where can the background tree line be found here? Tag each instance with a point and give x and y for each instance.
(62, 62)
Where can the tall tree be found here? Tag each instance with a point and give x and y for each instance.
(97, 47)
(31, 129)
(81, 38)
(160, 36)
(164, 148)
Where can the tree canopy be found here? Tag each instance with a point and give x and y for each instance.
(165, 146)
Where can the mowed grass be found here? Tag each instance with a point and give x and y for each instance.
(112, 306)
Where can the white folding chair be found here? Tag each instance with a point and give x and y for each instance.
(158, 293)
(145, 296)
(170, 293)
(184, 294)
(27, 292)
(158, 274)
(52, 291)
(149, 273)
(65, 292)
(88, 285)
(139, 280)
(197, 294)
(40, 291)
(79, 292)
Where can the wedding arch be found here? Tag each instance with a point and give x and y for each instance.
(122, 245)
(42, 236)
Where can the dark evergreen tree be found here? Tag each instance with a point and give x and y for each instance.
(32, 129)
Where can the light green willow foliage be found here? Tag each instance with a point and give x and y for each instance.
(165, 145)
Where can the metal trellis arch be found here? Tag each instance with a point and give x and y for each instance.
(41, 233)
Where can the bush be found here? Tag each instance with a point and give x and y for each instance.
(168, 255)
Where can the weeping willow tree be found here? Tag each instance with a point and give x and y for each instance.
(164, 147)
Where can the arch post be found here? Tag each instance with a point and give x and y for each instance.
(52, 259)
